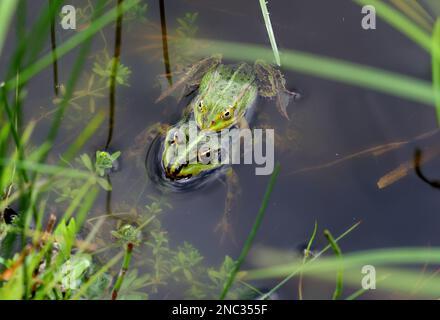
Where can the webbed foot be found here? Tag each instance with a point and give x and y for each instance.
(232, 193)
(271, 83)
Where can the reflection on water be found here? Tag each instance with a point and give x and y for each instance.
(326, 176)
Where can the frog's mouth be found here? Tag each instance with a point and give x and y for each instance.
(174, 180)
(173, 173)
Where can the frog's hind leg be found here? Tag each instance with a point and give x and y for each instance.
(190, 78)
(145, 138)
(233, 192)
(271, 83)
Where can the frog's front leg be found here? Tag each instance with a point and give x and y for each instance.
(271, 83)
(145, 138)
(243, 123)
(233, 192)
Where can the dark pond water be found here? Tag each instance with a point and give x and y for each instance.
(332, 121)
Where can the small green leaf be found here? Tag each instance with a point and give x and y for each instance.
(87, 161)
(104, 184)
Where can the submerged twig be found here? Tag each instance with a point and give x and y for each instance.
(166, 57)
(403, 169)
(374, 151)
(54, 47)
(115, 66)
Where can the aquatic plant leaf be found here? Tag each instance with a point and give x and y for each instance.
(87, 161)
(68, 234)
(73, 272)
(104, 184)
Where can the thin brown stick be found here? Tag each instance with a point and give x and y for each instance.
(403, 169)
(375, 151)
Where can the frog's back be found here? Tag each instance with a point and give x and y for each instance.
(228, 85)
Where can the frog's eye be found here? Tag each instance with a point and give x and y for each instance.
(176, 137)
(205, 155)
(200, 106)
(227, 114)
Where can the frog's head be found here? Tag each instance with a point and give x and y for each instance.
(215, 116)
(223, 99)
(184, 159)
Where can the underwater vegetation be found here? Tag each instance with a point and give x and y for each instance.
(70, 229)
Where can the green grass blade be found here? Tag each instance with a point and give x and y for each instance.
(7, 8)
(70, 44)
(299, 270)
(339, 278)
(84, 136)
(328, 68)
(378, 257)
(124, 269)
(306, 256)
(273, 43)
(48, 169)
(250, 238)
(436, 67)
(362, 291)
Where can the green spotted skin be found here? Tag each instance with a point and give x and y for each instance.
(181, 158)
(225, 94)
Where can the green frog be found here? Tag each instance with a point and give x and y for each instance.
(224, 98)
(226, 94)
(177, 162)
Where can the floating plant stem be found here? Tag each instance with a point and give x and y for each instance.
(124, 269)
(251, 236)
(273, 43)
(337, 251)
